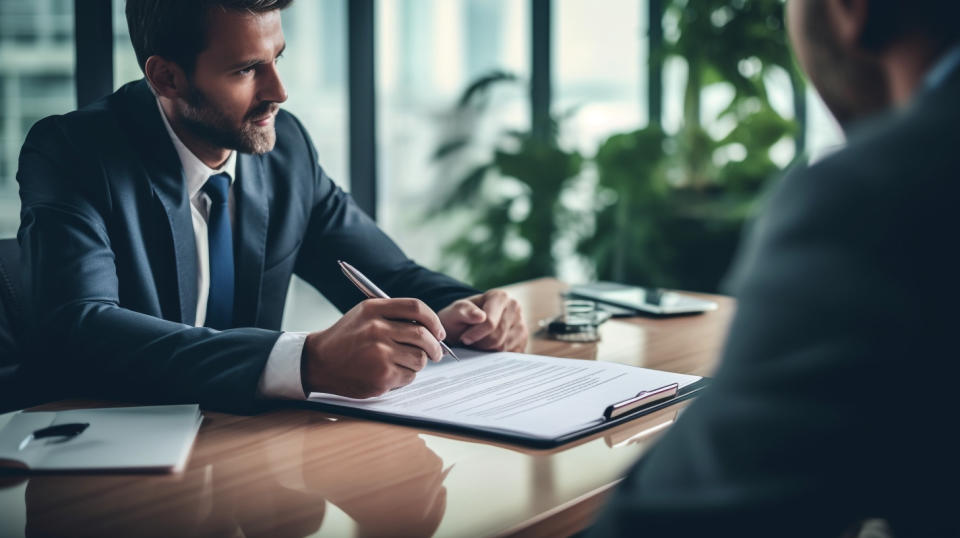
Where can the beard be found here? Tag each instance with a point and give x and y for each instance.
(852, 84)
(201, 116)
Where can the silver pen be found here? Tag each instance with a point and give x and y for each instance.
(373, 292)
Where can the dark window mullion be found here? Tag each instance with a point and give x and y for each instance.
(655, 61)
(540, 78)
(361, 98)
(93, 32)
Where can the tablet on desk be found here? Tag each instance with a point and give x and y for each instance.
(639, 299)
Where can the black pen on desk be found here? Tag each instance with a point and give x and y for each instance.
(373, 292)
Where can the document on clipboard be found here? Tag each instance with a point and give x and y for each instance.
(530, 399)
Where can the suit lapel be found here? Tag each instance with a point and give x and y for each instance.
(250, 222)
(171, 191)
(169, 186)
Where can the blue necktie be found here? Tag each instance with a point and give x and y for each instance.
(220, 244)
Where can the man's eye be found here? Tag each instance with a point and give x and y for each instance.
(245, 70)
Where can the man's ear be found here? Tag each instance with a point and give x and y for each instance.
(849, 20)
(166, 77)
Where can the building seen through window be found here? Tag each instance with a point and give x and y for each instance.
(36, 80)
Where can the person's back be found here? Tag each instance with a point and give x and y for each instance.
(829, 407)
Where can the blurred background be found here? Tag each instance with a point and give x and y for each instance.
(497, 140)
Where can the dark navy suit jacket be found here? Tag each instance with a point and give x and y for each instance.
(110, 260)
(834, 401)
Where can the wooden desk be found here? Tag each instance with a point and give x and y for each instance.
(299, 472)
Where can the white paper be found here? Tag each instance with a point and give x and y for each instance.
(532, 395)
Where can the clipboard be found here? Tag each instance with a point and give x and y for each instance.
(608, 415)
(642, 404)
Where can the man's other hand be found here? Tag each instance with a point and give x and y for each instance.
(491, 322)
(373, 348)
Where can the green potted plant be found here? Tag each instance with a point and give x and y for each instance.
(512, 200)
(670, 207)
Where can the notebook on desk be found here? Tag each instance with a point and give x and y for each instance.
(153, 439)
(528, 399)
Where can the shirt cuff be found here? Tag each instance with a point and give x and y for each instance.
(281, 376)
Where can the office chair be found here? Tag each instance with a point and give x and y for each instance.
(12, 314)
(15, 389)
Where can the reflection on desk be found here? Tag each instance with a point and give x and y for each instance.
(297, 471)
(314, 474)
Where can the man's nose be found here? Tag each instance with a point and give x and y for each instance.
(272, 88)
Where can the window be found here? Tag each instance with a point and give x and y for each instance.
(599, 68)
(36, 80)
(427, 53)
(314, 70)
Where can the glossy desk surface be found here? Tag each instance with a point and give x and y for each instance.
(295, 472)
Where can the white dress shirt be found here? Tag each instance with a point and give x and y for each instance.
(281, 376)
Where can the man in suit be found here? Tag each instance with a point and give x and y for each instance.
(829, 406)
(161, 225)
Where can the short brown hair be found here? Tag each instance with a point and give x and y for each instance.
(177, 29)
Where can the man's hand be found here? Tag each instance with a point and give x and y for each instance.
(492, 321)
(373, 348)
